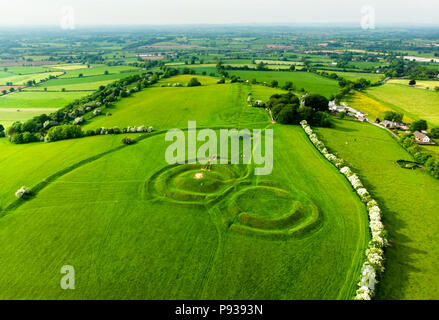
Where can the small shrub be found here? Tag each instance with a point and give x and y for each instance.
(194, 83)
(22, 192)
(127, 141)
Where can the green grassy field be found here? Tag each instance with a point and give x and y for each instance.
(352, 76)
(420, 84)
(409, 202)
(96, 70)
(22, 106)
(309, 81)
(415, 103)
(23, 79)
(85, 83)
(373, 108)
(201, 103)
(184, 238)
(23, 100)
(8, 115)
(24, 70)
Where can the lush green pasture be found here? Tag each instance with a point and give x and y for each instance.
(23, 79)
(67, 67)
(85, 83)
(179, 251)
(373, 108)
(22, 100)
(184, 80)
(25, 70)
(415, 103)
(309, 81)
(409, 202)
(184, 238)
(352, 76)
(27, 165)
(420, 84)
(209, 104)
(264, 93)
(10, 115)
(96, 70)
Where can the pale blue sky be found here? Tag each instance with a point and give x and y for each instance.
(138, 12)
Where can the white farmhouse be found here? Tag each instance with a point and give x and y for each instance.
(421, 138)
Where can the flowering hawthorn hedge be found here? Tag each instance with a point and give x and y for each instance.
(374, 263)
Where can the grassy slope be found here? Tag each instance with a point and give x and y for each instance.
(26, 165)
(84, 83)
(22, 79)
(209, 105)
(352, 76)
(96, 70)
(420, 84)
(8, 116)
(21, 100)
(370, 106)
(309, 81)
(409, 199)
(415, 103)
(99, 216)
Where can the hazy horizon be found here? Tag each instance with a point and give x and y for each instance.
(48, 13)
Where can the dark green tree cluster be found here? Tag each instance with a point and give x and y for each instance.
(393, 116)
(289, 86)
(419, 125)
(25, 137)
(411, 69)
(286, 109)
(194, 83)
(431, 163)
(435, 133)
(64, 132)
(2, 131)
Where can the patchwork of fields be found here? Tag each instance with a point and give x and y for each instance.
(54, 93)
(100, 181)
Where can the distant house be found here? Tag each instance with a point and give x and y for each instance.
(394, 125)
(388, 124)
(421, 138)
(334, 108)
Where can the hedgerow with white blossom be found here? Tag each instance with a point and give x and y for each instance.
(374, 263)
